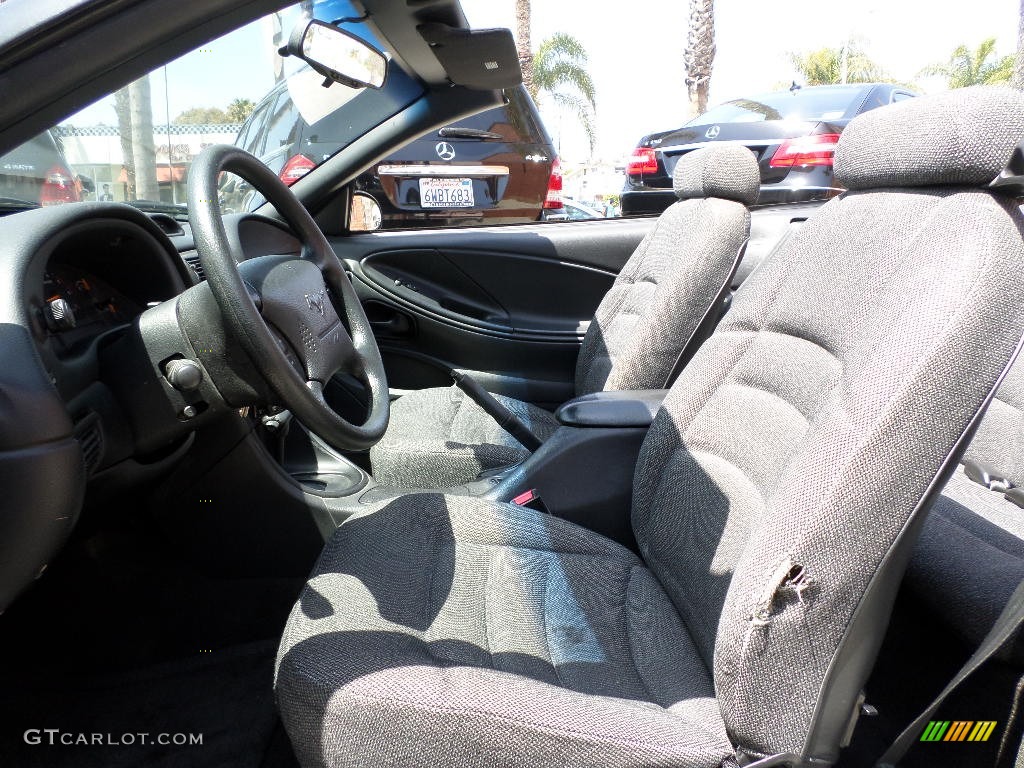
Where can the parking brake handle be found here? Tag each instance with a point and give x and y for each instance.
(505, 418)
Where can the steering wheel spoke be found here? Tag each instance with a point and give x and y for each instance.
(297, 317)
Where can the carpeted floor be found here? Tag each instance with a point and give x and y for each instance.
(223, 698)
(918, 657)
(121, 637)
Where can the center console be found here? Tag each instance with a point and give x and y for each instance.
(582, 473)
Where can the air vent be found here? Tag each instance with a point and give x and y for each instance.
(167, 224)
(90, 437)
(192, 259)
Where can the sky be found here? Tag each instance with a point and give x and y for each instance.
(222, 67)
(636, 55)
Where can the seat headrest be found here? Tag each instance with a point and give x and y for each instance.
(963, 137)
(719, 170)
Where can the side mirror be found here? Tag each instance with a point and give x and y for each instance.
(338, 55)
(364, 214)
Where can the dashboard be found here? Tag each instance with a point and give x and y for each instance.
(80, 394)
(78, 278)
(87, 281)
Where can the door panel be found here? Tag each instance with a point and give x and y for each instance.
(434, 285)
(541, 295)
(510, 304)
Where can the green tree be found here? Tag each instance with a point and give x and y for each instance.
(560, 71)
(202, 116)
(239, 110)
(980, 66)
(699, 57)
(825, 66)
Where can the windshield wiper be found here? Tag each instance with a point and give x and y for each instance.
(452, 132)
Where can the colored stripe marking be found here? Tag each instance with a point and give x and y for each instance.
(935, 730)
(958, 730)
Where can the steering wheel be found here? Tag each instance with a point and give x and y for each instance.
(299, 319)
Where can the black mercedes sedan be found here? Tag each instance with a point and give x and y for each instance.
(793, 133)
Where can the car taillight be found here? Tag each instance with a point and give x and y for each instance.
(553, 199)
(807, 150)
(296, 168)
(59, 187)
(644, 160)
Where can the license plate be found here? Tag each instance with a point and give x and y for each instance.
(446, 193)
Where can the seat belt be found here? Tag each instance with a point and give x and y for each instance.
(1005, 627)
(505, 418)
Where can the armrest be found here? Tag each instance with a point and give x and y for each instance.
(612, 409)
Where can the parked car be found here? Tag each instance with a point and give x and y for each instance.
(576, 211)
(37, 172)
(793, 133)
(495, 167)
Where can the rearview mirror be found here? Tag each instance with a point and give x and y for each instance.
(338, 55)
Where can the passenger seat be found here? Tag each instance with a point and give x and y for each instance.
(970, 556)
(661, 307)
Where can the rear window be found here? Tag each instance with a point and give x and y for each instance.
(514, 123)
(801, 104)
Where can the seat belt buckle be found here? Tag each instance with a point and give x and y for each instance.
(532, 500)
(985, 475)
(1015, 495)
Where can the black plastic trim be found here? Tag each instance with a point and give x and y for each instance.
(634, 408)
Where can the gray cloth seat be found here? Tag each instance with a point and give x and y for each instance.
(655, 313)
(547, 663)
(440, 438)
(970, 556)
(775, 501)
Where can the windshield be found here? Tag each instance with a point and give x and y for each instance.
(137, 144)
(803, 104)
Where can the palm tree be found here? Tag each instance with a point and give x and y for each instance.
(560, 72)
(143, 150)
(699, 57)
(524, 46)
(123, 108)
(825, 66)
(978, 67)
(1018, 66)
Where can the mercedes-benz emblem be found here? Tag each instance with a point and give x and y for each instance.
(445, 150)
(316, 302)
(713, 132)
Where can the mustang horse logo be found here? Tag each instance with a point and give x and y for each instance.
(316, 301)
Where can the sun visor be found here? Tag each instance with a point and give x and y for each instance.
(482, 59)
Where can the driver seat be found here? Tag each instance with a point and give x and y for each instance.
(776, 499)
(656, 314)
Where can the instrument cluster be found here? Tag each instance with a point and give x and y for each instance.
(79, 306)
